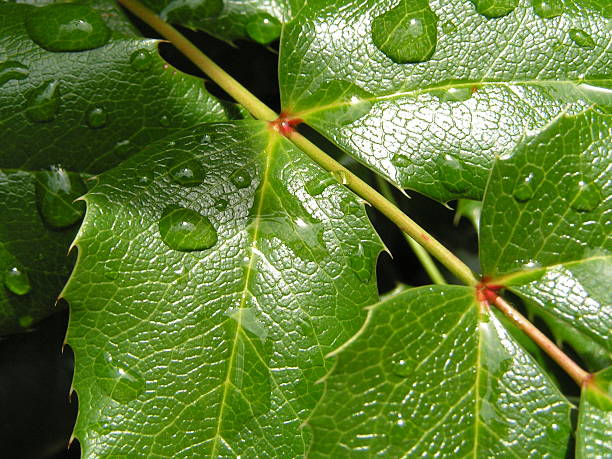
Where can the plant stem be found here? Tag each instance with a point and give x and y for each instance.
(579, 375)
(262, 112)
(242, 95)
(428, 264)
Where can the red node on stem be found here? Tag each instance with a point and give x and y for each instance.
(487, 292)
(284, 124)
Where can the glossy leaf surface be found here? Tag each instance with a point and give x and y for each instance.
(429, 375)
(364, 73)
(545, 224)
(213, 351)
(72, 112)
(595, 421)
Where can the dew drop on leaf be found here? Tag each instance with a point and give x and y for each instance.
(406, 33)
(454, 94)
(164, 120)
(17, 281)
(451, 174)
(586, 196)
(523, 191)
(401, 160)
(581, 38)
(402, 367)
(67, 27)
(122, 149)
(96, 118)
(43, 102)
(12, 70)
(221, 204)
(547, 9)
(146, 177)
(495, 8)
(247, 318)
(341, 176)
(185, 229)
(263, 28)
(187, 171)
(56, 191)
(316, 186)
(206, 139)
(240, 178)
(141, 60)
(120, 383)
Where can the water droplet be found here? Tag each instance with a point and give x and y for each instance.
(316, 186)
(26, 321)
(118, 382)
(221, 204)
(448, 27)
(122, 149)
(12, 70)
(341, 176)
(240, 178)
(187, 171)
(146, 177)
(189, 12)
(495, 8)
(247, 318)
(581, 38)
(523, 191)
(67, 27)
(206, 139)
(17, 281)
(263, 28)
(141, 60)
(585, 197)
(451, 174)
(96, 118)
(43, 102)
(460, 94)
(547, 9)
(403, 367)
(401, 160)
(164, 121)
(185, 229)
(406, 33)
(56, 191)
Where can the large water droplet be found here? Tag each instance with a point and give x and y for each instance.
(190, 11)
(43, 102)
(407, 33)
(581, 38)
(523, 191)
(401, 160)
(12, 70)
(586, 196)
(185, 229)
(361, 264)
(187, 171)
(495, 8)
(120, 383)
(96, 118)
(548, 8)
(459, 94)
(316, 186)
(17, 281)
(67, 27)
(451, 174)
(56, 191)
(247, 318)
(240, 178)
(123, 149)
(141, 60)
(263, 28)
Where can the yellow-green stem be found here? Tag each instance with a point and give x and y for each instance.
(426, 261)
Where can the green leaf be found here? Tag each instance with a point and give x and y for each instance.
(213, 349)
(595, 419)
(429, 374)
(545, 224)
(79, 112)
(428, 94)
(230, 20)
(469, 209)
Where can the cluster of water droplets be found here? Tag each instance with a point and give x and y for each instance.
(407, 33)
